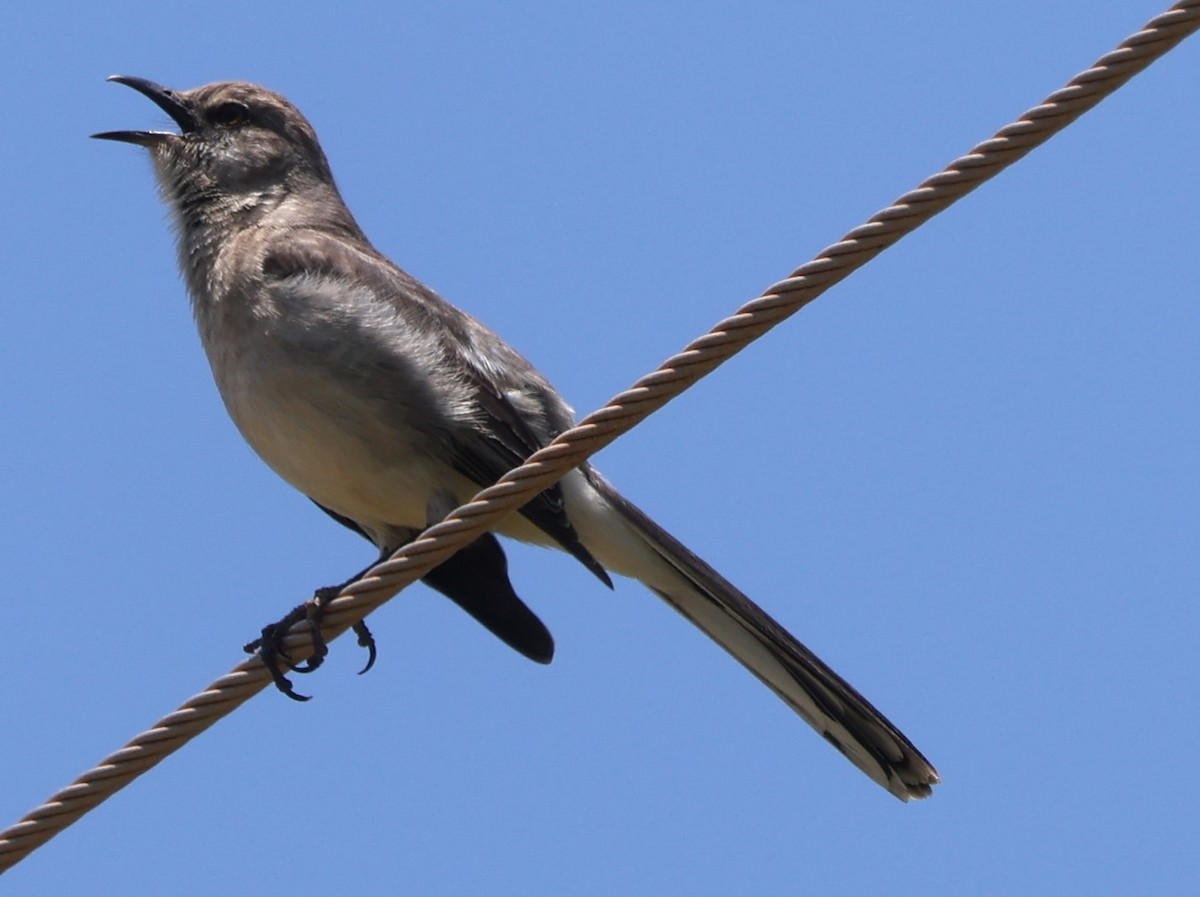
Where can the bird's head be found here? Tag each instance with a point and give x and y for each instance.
(237, 142)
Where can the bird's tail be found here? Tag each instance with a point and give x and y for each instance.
(823, 698)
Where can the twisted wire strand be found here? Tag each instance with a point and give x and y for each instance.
(600, 428)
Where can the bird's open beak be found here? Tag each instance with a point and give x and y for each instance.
(165, 99)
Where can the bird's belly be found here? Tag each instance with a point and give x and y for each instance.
(349, 462)
(350, 454)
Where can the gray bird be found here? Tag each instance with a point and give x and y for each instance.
(388, 407)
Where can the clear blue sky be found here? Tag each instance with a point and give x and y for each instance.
(969, 477)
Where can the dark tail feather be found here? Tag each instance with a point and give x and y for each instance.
(823, 698)
(476, 579)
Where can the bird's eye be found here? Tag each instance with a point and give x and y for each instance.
(230, 114)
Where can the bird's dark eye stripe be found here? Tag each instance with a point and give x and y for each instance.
(231, 113)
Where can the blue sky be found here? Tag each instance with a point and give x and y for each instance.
(967, 477)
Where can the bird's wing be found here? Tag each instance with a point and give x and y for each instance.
(481, 380)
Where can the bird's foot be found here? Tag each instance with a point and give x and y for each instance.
(270, 645)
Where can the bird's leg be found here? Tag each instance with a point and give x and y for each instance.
(274, 655)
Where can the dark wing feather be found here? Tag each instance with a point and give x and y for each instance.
(488, 454)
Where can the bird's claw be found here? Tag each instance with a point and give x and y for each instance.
(314, 611)
(270, 645)
(365, 640)
(270, 649)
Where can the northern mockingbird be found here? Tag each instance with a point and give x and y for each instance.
(388, 407)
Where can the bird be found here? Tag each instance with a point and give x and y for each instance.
(388, 406)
